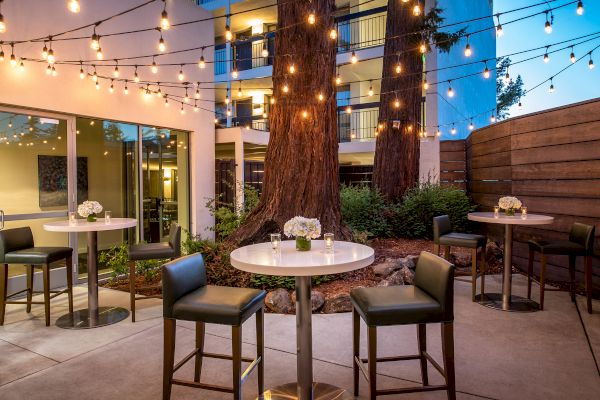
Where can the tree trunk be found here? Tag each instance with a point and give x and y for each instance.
(301, 164)
(396, 166)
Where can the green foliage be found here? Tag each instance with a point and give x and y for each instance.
(364, 210)
(507, 94)
(413, 216)
(114, 259)
(227, 219)
(268, 282)
(149, 269)
(442, 40)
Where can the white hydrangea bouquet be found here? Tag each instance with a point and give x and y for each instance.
(303, 229)
(89, 210)
(509, 204)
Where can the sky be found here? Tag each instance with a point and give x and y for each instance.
(578, 83)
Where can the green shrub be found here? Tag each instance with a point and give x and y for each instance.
(413, 216)
(227, 219)
(149, 269)
(114, 259)
(268, 282)
(364, 210)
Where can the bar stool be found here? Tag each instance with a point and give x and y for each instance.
(152, 251)
(580, 243)
(430, 300)
(17, 247)
(443, 236)
(186, 296)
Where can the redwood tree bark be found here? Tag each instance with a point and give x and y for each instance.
(301, 163)
(396, 166)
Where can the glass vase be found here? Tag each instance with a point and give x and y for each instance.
(302, 244)
(510, 212)
(92, 218)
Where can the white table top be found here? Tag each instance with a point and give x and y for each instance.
(83, 225)
(531, 219)
(262, 259)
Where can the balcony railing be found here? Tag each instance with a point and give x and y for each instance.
(355, 31)
(360, 124)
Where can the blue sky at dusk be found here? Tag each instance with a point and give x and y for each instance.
(577, 83)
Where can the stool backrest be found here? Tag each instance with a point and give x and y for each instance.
(180, 277)
(435, 276)
(584, 235)
(441, 226)
(15, 239)
(175, 239)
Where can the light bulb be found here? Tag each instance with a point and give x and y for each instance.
(580, 8)
(450, 92)
(228, 113)
(546, 58)
(13, 60)
(333, 34)
(180, 76)
(116, 72)
(136, 77)
(161, 45)
(51, 58)
(48, 69)
(54, 73)
(520, 106)
(468, 51)
(548, 27)
(234, 73)
(186, 98)
(1, 55)
(95, 43)
(196, 108)
(166, 102)
(438, 133)
(125, 90)
(265, 115)
(292, 69)
(348, 110)
(99, 54)
(111, 89)
(398, 68)
(507, 78)
(265, 51)
(311, 18)
(285, 88)
(591, 64)
(320, 97)
(573, 58)
(353, 58)
(304, 114)
(154, 67)
(338, 79)
(2, 24)
(159, 93)
(486, 73)
(97, 85)
(417, 10)
(95, 77)
(397, 103)
(197, 95)
(425, 85)
(239, 92)
(228, 34)
(74, 6)
(551, 88)
(164, 20)
(45, 52)
(423, 48)
(272, 100)
(499, 31)
(216, 120)
(493, 118)
(471, 126)
(370, 91)
(202, 63)
(453, 130)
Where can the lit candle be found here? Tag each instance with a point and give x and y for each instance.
(275, 241)
(496, 211)
(524, 212)
(107, 217)
(72, 218)
(328, 241)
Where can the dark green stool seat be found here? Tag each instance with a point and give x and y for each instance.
(17, 247)
(580, 244)
(186, 296)
(443, 236)
(151, 251)
(430, 300)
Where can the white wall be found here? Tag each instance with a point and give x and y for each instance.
(66, 93)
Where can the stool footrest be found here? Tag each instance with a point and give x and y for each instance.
(250, 368)
(414, 389)
(199, 385)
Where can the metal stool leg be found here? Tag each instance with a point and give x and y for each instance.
(355, 349)
(200, 333)
(70, 282)
(46, 273)
(260, 349)
(3, 286)
(529, 272)
(448, 354)
(372, 360)
(473, 273)
(30, 273)
(169, 356)
(422, 338)
(236, 344)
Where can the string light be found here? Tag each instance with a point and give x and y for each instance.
(572, 56)
(312, 18)
(499, 31)
(239, 93)
(338, 79)
(348, 110)
(99, 54)
(227, 96)
(520, 105)
(1, 54)
(453, 130)
(417, 10)
(425, 84)
(423, 48)
(50, 56)
(186, 98)
(234, 73)
(370, 88)
(154, 67)
(493, 118)
(162, 47)
(272, 100)
(136, 77)
(164, 18)
(285, 88)
(116, 70)
(507, 77)
(95, 75)
(228, 34)
(74, 6)
(166, 102)
(49, 70)
(397, 102)
(265, 50)
(292, 69)
(580, 8)
(197, 95)
(438, 133)
(551, 88)
(2, 23)
(398, 68)
(304, 114)
(182, 110)
(450, 90)
(97, 85)
(333, 34)
(95, 43)
(125, 90)
(159, 92)
(468, 50)
(228, 113)
(320, 97)
(202, 63)
(548, 24)
(45, 52)
(181, 76)
(353, 58)
(195, 107)
(486, 71)
(111, 89)
(591, 62)
(546, 56)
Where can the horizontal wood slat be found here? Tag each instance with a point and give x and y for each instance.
(564, 152)
(452, 145)
(582, 188)
(453, 156)
(585, 132)
(563, 170)
(453, 165)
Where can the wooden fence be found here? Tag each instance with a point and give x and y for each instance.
(453, 164)
(550, 160)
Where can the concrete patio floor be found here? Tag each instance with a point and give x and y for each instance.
(499, 355)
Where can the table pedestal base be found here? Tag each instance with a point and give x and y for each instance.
(321, 391)
(81, 319)
(516, 304)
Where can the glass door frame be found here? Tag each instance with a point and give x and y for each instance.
(57, 279)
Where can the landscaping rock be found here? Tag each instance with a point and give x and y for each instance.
(279, 301)
(384, 269)
(493, 253)
(395, 279)
(408, 275)
(338, 304)
(317, 299)
(407, 262)
(414, 259)
(461, 260)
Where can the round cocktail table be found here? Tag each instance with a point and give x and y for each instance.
(93, 316)
(262, 259)
(506, 301)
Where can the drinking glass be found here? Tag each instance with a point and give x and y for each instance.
(328, 237)
(72, 218)
(524, 212)
(496, 211)
(107, 217)
(275, 241)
